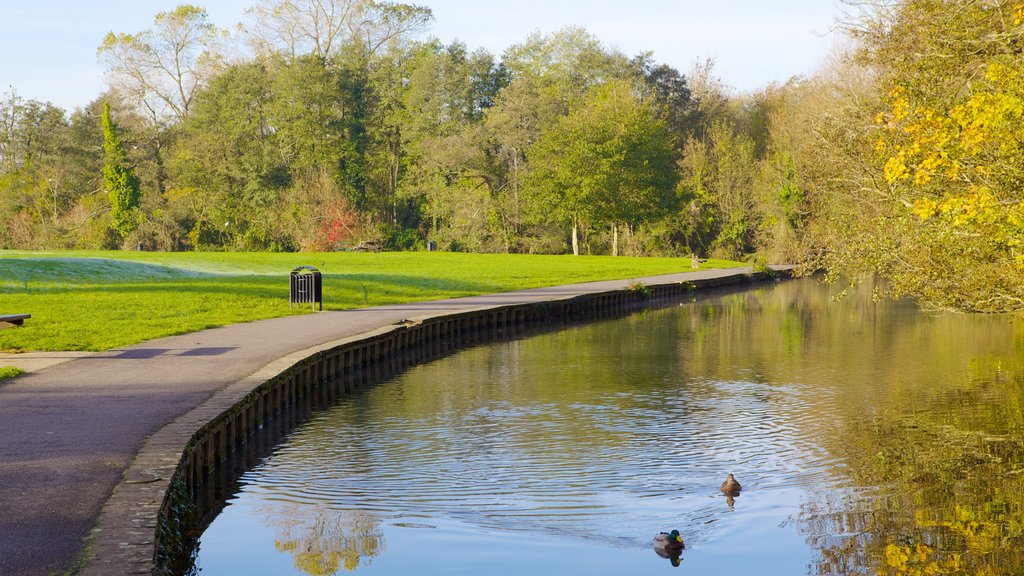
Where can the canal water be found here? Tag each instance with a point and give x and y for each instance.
(869, 437)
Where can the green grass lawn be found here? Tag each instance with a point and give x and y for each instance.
(101, 300)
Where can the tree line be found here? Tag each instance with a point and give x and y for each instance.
(323, 124)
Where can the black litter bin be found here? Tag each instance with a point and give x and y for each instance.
(306, 286)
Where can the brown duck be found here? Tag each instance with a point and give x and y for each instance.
(731, 486)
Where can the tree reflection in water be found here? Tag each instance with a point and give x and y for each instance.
(945, 469)
(321, 541)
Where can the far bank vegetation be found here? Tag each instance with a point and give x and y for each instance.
(314, 127)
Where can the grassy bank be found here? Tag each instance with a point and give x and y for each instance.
(101, 300)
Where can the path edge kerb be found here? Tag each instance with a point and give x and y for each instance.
(127, 534)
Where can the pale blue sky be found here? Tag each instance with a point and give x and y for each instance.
(48, 47)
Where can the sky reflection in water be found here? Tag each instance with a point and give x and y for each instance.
(565, 453)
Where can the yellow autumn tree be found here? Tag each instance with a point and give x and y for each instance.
(963, 166)
(948, 150)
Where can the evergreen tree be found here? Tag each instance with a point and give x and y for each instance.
(119, 179)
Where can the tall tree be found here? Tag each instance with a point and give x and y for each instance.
(945, 150)
(324, 28)
(119, 179)
(566, 64)
(716, 189)
(509, 129)
(672, 92)
(449, 92)
(610, 160)
(162, 69)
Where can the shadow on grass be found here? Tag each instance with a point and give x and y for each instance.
(264, 287)
(29, 271)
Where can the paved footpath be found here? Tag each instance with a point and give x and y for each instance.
(69, 430)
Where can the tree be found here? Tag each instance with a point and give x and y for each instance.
(609, 160)
(324, 28)
(163, 69)
(710, 96)
(672, 93)
(231, 165)
(49, 171)
(717, 191)
(945, 152)
(450, 91)
(508, 130)
(119, 179)
(550, 76)
(30, 137)
(353, 120)
(566, 64)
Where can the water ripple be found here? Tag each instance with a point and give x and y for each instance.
(639, 458)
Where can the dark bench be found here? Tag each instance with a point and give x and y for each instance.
(13, 319)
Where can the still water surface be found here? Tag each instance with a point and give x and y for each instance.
(870, 438)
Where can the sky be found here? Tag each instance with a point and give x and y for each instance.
(48, 47)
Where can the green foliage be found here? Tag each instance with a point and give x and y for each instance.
(760, 265)
(670, 90)
(717, 192)
(643, 290)
(609, 160)
(119, 179)
(567, 64)
(48, 171)
(227, 166)
(8, 372)
(403, 239)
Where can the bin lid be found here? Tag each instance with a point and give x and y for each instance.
(305, 270)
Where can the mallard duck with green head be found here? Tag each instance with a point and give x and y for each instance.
(669, 541)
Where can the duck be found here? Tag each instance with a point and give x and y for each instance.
(731, 486)
(669, 541)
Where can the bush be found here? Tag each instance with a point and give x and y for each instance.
(403, 240)
(10, 372)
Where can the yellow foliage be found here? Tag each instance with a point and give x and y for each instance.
(964, 163)
(919, 560)
(896, 170)
(896, 556)
(925, 208)
(1018, 14)
(900, 109)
